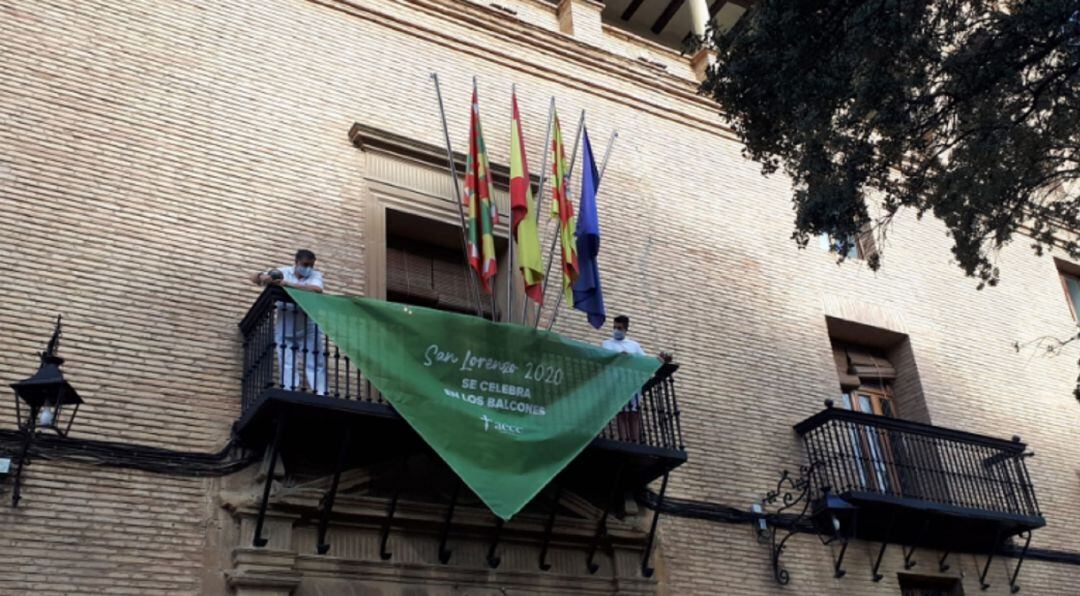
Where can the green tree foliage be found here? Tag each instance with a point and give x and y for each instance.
(966, 109)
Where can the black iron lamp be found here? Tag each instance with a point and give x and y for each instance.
(836, 516)
(52, 403)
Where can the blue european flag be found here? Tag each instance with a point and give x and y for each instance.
(588, 297)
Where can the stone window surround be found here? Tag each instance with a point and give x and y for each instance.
(411, 177)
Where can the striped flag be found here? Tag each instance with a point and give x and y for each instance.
(563, 209)
(523, 212)
(479, 203)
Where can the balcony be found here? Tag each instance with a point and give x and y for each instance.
(903, 482)
(310, 420)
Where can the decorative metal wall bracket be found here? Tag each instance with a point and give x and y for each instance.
(838, 569)
(321, 545)
(646, 570)
(279, 431)
(544, 565)
(791, 493)
(1013, 586)
(601, 526)
(986, 568)
(493, 560)
(391, 507)
(942, 565)
(444, 553)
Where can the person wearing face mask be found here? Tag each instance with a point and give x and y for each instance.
(628, 421)
(618, 342)
(297, 336)
(302, 275)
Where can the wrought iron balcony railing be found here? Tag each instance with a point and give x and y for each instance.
(286, 351)
(872, 457)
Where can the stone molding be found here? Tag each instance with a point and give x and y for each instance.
(561, 48)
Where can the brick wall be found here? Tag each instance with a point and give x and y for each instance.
(153, 155)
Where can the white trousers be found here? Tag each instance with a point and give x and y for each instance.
(300, 350)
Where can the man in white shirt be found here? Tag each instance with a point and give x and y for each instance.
(628, 421)
(296, 335)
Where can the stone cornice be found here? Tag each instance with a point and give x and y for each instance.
(370, 138)
(560, 47)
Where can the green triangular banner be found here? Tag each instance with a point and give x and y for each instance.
(506, 406)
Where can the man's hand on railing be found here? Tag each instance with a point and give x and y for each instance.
(273, 277)
(665, 357)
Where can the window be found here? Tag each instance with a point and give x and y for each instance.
(866, 378)
(878, 377)
(862, 247)
(425, 265)
(1070, 282)
(929, 585)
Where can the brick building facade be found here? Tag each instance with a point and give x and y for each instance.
(154, 155)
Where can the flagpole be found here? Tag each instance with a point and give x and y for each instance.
(487, 174)
(558, 222)
(473, 284)
(540, 197)
(510, 227)
(599, 177)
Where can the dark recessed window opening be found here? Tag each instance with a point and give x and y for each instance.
(929, 585)
(425, 264)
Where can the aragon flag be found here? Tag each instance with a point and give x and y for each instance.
(563, 209)
(480, 203)
(523, 212)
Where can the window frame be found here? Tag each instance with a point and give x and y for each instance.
(1064, 277)
(862, 245)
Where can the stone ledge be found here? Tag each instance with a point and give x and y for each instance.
(259, 584)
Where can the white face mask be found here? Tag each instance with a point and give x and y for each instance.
(304, 270)
(618, 334)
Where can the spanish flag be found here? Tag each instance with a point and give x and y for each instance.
(479, 203)
(523, 212)
(563, 209)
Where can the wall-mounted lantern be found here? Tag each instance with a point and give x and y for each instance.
(51, 401)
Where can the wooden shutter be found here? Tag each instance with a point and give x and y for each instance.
(848, 381)
(868, 367)
(410, 276)
(860, 366)
(428, 275)
(452, 284)
(866, 245)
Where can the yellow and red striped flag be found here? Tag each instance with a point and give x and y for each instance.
(480, 203)
(523, 212)
(563, 209)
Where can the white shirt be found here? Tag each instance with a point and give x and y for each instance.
(315, 279)
(623, 345)
(628, 346)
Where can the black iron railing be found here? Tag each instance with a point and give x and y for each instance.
(856, 453)
(285, 350)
